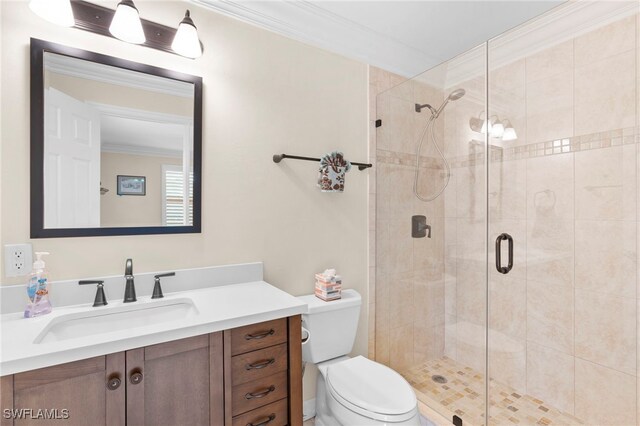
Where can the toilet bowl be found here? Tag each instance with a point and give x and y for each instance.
(358, 391)
(352, 391)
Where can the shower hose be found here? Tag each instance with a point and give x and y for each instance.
(429, 128)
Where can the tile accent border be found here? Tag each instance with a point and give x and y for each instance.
(601, 140)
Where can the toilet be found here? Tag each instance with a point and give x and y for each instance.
(351, 391)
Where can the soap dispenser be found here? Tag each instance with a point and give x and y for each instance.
(38, 289)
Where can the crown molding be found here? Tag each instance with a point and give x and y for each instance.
(81, 68)
(330, 31)
(563, 23)
(305, 21)
(142, 115)
(114, 148)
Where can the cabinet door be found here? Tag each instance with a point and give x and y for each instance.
(89, 391)
(176, 383)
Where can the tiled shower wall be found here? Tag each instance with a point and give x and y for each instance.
(564, 321)
(406, 274)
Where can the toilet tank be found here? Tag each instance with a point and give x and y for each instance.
(332, 326)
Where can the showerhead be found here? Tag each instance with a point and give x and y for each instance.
(456, 94)
(453, 96)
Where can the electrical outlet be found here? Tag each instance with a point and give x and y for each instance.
(18, 259)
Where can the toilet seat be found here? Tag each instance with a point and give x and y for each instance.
(371, 390)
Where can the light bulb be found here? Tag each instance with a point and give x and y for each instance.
(58, 12)
(509, 134)
(126, 24)
(497, 130)
(186, 42)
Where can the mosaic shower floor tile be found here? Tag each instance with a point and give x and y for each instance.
(463, 395)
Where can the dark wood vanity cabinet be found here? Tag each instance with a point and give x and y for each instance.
(72, 392)
(245, 376)
(176, 383)
(265, 373)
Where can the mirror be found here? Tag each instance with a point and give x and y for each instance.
(115, 146)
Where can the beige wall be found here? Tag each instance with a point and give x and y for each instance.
(263, 94)
(116, 210)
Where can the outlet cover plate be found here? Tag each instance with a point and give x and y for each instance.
(18, 260)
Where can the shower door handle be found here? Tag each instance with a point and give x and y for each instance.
(499, 240)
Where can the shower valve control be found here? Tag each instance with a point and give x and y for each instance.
(419, 227)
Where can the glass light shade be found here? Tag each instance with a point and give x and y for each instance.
(126, 24)
(497, 130)
(55, 11)
(186, 42)
(476, 124)
(509, 134)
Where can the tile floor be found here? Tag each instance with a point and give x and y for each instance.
(463, 395)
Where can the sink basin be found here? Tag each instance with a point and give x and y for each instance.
(104, 320)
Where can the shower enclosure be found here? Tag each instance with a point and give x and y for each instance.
(520, 303)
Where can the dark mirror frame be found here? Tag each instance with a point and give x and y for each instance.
(38, 49)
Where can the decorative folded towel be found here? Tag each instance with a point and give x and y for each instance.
(333, 166)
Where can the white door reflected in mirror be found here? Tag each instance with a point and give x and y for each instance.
(103, 121)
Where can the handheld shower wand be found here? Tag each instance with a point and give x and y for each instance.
(453, 96)
(435, 113)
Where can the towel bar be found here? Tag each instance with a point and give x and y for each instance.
(279, 157)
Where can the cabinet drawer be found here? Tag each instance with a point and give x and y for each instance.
(274, 414)
(249, 396)
(257, 364)
(258, 336)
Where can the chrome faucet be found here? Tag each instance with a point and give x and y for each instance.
(130, 288)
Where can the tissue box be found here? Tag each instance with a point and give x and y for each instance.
(328, 290)
(328, 295)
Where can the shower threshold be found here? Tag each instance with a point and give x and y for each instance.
(463, 395)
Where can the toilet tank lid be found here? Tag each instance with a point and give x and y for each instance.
(349, 299)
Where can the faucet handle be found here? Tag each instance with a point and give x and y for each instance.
(168, 274)
(100, 299)
(157, 289)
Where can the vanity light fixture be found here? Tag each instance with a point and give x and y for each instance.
(186, 42)
(123, 23)
(478, 124)
(126, 24)
(503, 130)
(58, 12)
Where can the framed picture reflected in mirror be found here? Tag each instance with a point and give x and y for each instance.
(132, 185)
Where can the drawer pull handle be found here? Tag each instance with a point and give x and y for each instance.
(136, 378)
(265, 421)
(113, 383)
(259, 365)
(261, 394)
(259, 335)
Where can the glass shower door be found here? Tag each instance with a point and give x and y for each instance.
(563, 187)
(430, 263)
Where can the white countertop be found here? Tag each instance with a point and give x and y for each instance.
(218, 308)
